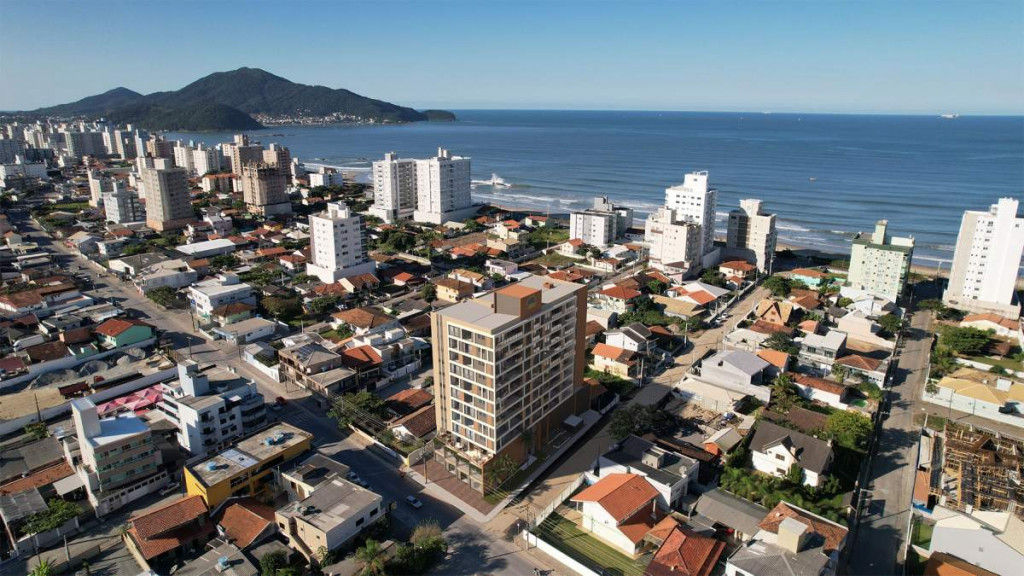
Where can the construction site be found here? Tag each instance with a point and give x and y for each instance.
(980, 471)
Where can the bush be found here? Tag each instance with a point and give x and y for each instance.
(164, 296)
(965, 340)
(849, 430)
(779, 286)
(639, 420)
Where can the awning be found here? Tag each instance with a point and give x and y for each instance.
(68, 485)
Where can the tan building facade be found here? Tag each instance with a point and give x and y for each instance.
(168, 199)
(264, 189)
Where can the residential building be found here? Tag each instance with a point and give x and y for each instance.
(213, 293)
(326, 178)
(452, 290)
(394, 188)
(634, 337)
(171, 533)
(265, 189)
(182, 154)
(980, 394)
(735, 368)
(122, 205)
(685, 553)
(503, 268)
(508, 361)
(336, 512)
(673, 242)
(986, 262)
(303, 477)
(722, 509)
(240, 152)
(821, 351)
(814, 278)
(617, 299)
(751, 235)
(600, 225)
(168, 200)
(443, 191)
(205, 160)
(625, 364)
(987, 539)
(418, 426)
(338, 245)
(171, 273)
(211, 408)
(999, 325)
(776, 450)
(99, 184)
(668, 472)
(790, 540)
(115, 458)
(313, 367)
(281, 158)
(821, 390)
(619, 510)
(244, 469)
(120, 332)
(694, 202)
(880, 263)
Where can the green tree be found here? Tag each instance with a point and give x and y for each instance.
(303, 279)
(713, 277)
(37, 430)
(258, 276)
(779, 286)
(322, 305)
(997, 370)
(784, 393)
(843, 302)
(364, 408)
(271, 562)
(223, 262)
(840, 372)
(633, 419)
(931, 304)
(164, 296)
(890, 323)
(373, 558)
(281, 308)
(795, 476)
(781, 342)
(849, 430)
(58, 512)
(44, 568)
(966, 340)
(428, 292)
(503, 469)
(473, 226)
(656, 286)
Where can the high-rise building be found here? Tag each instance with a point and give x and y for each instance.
(183, 157)
(394, 188)
(168, 199)
(694, 202)
(84, 144)
(265, 189)
(117, 460)
(986, 263)
(751, 234)
(157, 147)
(337, 242)
(602, 224)
(11, 149)
(443, 189)
(674, 244)
(278, 156)
(240, 152)
(879, 263)
(99, 184)
(122, 205)
(205, 160)
(508, 372)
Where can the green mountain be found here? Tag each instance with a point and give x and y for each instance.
(226, 101)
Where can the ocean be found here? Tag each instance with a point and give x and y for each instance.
(826, 176)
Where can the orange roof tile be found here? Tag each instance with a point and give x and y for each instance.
(993, 318)
(621, 495)
(244, 520)
(737, 265)
(116, 326)
(165, 518)
(409, 400)
(620, 293)
(833, 533)
(860, 362)
(701, 297)
(38, 479)
(818, 383)
(776, 358)
(809, 273)
(685, 553)
(613, 353)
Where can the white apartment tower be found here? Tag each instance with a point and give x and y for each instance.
(122, 205)
(443, 190)
(879, 263)
(205, 160)
(986, 263)
(337, 245)
(600, 225)
(99, 184)
(168, 199)
(183, 157)
(751, 234)
(694, 202)
(394, 188)
(674, 243)
(507, 362)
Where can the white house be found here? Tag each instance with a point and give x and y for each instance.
(668, 472)
(219, 291)
(821, 351)
(775, 450)
(821, 390)
(619, 510)
(635, 337)
(1000, 325)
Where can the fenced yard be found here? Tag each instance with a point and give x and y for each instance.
(566, 536)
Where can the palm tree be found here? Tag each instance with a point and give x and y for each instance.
(373, 557)
(44, 568)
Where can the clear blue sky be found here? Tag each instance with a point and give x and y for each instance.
(893, 56)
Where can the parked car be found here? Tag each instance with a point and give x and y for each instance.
(170, 488)
(414, 502)
(281, 401)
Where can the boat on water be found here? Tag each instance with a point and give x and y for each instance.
(949, 116)
(495, 182)
(813, 179)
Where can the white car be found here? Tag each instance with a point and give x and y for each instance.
(172, 487)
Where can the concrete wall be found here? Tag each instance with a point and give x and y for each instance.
(70, 362)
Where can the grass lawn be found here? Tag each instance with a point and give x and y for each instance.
(1004, 362)
(69, 206)
(922, 534)
(555, 259)
(584, 548)
(541, 237)
(515, 480)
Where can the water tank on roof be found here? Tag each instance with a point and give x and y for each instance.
(211, 466)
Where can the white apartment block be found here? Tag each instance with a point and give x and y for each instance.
(325, 178)
(122, 205)
(986, 263)
(751, 235)
(694, 202)
(211, 408)
(394, 188)
(508, 361)
(443, 189)
(880, 264)
(168, 198)
(115, 457)
(99, 184)
(338, 245)
(265, 189)
(600, 225)
(219, 291)
(22, 168)
(183, 157)
(205, 160)
(673, 243)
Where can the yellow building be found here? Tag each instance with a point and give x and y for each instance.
(246, 468)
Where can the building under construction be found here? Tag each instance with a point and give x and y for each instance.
(980, 471)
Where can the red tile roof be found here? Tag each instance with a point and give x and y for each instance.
(685, 553)
(419, 423)
(47, 351)
(620, 293)
(818, 383)
(593, 328)
(330, 290)
(621, 495)
(993, 318)
(43, 477)
(165, 528)
(737, 265)
(776, 358)
(244, 520)
(116, 326)
(360, 357)
(860, 362)
(614, 353)
(365, 317)
(409, 400)
(700, 297)
(22, 299)
(833, 533)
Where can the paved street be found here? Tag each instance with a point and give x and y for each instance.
(878, 542)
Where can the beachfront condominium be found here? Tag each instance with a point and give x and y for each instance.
(183, 157)
(115, 458)
(280, 156)
(168, 199)
(337, 242)
(879, 263)
(443, 189)
(601, 224)
(695, 202)
(751, 234)
(265, 189)
(674, 244)
(986, 262)
(394, 188)
(508, 371)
